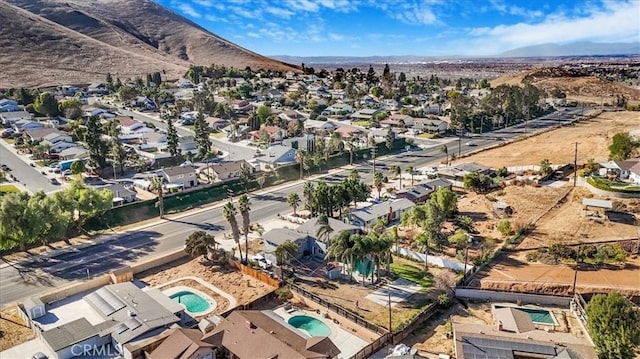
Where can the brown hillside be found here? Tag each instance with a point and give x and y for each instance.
(77, 41)
(574, 83)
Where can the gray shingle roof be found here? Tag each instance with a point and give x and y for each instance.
(311, 226)
(278, 236)
(381, 209)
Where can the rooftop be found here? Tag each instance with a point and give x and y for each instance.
(278, 236)
(178, 170)
(381, 209)
(69, 334)
(311, 226)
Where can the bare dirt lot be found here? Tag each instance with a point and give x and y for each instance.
(567, 223)
(512, 272)
(13, 330)
(593, 137)
(244, 288)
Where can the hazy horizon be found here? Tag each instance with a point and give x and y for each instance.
(364, 28)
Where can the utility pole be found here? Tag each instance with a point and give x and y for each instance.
(374, 148)
(575, 272)
(389, 302)
(575, 165)
(464, 274)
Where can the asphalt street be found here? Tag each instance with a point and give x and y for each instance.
(42, 273)
(29, 176)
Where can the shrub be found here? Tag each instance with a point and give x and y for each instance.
(443, 300)
(561, 251)
(532, 257)
(504, 227)
(284, 293)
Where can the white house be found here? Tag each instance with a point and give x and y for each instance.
(131, 129)
(338, 109)
(319, 126)
(11, 117)
(430, 125)
(277, 155)
(58, 141)
(184, 176)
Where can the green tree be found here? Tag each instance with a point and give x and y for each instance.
(622, 146)
(390, 138)
(613, 324)
(157, 186)
(477, 182)
(229, 212)
(46, 104)
(264, 112)
(78, 167)
(411, 170)
(465, 223)
(98, 148)
(200, 243)
(293, 200)
(444, 149)
(203, 141)
(172, 138)
(127, 93)
(284, 252)
(71, 108)
(307, 192)
(545, 167)
(446, 200)
(591, 167)
(396, 172)
(324, 231)
(246, 176)
(244, 206)
(504, 227)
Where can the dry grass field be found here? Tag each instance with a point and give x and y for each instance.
(12, 328)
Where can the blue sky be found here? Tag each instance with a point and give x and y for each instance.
(410, 27)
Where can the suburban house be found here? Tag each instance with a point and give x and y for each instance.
(152, 140)
(348, 132)
(311, 227)
(277, 155)
(184, 344)
(365, 114)
(58, 142)
(307, 246)
(275, 133)
(122, 315)
(7, 105)
(37, 134)
(73, 153)
(421, 192)
(132, 129)
(398, 120)
(183, 176)
(457, 172)
(11, 117)
(619, 169)
(338, 109)
(291, 115)
(319, 126)
(430, 125)
(366, 218)
(216, 123)
(306, 142)
(225, 171)
(98, 88)
(264, 334)
(90, 111)
(187, 144)
(24, 125)
(121, 194)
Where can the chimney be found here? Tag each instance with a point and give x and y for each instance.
(499, 326)
(249, 325)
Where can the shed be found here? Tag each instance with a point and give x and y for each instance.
(34, 307)
(592, 208)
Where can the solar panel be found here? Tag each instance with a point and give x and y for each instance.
(113, 301)
(100, 304)
(120, 328)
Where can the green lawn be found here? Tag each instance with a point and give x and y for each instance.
(429, 136)
(361, 123)
(9, 140)
(8, 188)
(412, 274)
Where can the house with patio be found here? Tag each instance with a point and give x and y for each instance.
(366, 218)
(277, 236)
(338, 109)
(184, 344)
(58, 141)
(430, 125)
(264, 334)
(276, 155)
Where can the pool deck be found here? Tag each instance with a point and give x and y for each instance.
(181, 288)
(232, 300)
(511, 305)
(348, 343)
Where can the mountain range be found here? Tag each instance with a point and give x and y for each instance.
(53, 42)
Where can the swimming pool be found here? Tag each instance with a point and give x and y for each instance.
(193, 302)
(538, 316)
(313, 326)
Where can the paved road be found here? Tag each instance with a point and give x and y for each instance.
(29, 176)
(42, 273)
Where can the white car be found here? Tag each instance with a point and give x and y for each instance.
(262, 261)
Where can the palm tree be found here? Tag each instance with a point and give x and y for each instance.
(411, 170)
(396, 171)
(323, 233)
(284, 252)
(380, 251)
(361, 252)
(293, 200)
(229, 212)
(245, 207)
(445, 150)
(351, 147)
(157, 187)
(340, 248)
(378, 182)
(307, 193)
(300, 154)
(200, 243)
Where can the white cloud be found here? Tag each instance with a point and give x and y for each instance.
(188, 10)
(304, 5)
(414, 13)
(213, 18)
(615, 22)
(255, 13)
(283, 13)
(205, 3)
(254, 35)
(502, 8)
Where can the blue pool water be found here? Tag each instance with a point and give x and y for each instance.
(541, 316)
(311, 325)
(192, 301)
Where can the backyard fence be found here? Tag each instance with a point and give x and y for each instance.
(513, 297)
(416, 322)
(373, 347)
(339, 310)
(259, 275)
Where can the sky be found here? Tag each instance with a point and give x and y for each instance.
(410, 27)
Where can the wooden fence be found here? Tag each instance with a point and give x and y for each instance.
(419, 320)
(259, 275)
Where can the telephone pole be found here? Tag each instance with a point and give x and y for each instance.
(575, 165)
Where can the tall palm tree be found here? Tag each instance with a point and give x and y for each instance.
(285, 252)
(293, 200)
(157, 187)
(307, 193)
(378, 182)
(300, 154)
(244, 206)
(200, 243)
(323, 233)
(361, 252)
(229, 212)
(340, 248)
(411, 170)
(351, 144)
(444, 149)
(396, 171)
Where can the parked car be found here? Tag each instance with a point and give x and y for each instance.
(39, 355)
(262, 261)
(54, 181)
(470, 143)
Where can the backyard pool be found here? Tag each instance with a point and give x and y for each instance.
(313, 326)
(192, 301)
(539, 316)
